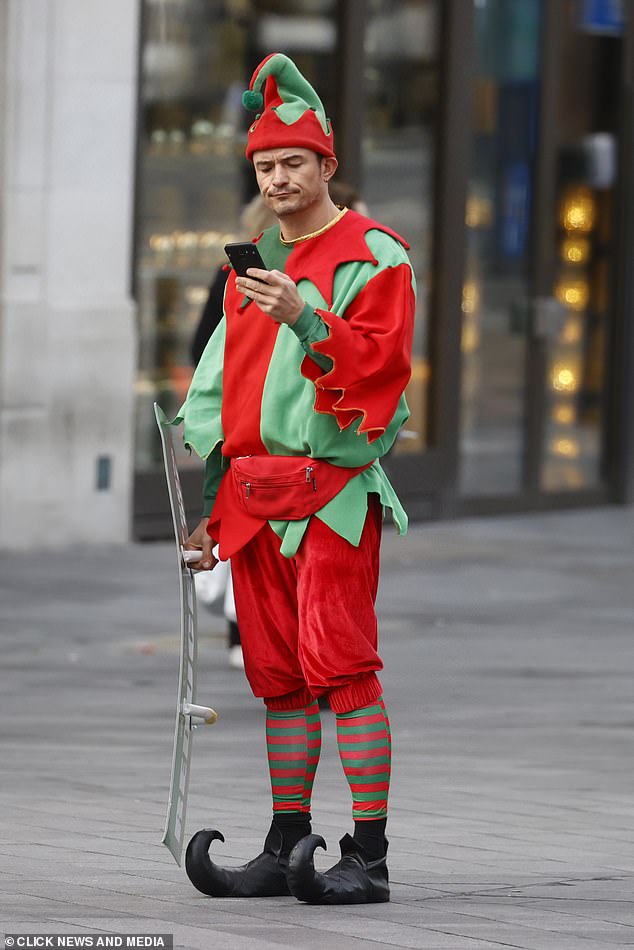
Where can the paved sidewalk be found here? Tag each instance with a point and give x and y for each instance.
(509, 649)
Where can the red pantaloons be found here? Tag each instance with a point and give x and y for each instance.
(307, 623)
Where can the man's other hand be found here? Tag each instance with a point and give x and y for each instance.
(199, 540)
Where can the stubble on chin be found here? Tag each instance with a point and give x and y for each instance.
(284, 206)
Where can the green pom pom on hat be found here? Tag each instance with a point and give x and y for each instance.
(253, 101)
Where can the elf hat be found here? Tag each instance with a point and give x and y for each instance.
(290, 113)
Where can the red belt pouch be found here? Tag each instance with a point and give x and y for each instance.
(287, 487)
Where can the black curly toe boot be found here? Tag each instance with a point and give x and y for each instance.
(264, 876)
(355, 879)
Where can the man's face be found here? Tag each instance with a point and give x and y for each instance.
(290, 179)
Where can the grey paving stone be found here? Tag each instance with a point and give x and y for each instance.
(509, 662)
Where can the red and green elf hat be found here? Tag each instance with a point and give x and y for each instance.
(290, 113)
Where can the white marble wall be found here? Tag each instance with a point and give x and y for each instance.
(67, 322)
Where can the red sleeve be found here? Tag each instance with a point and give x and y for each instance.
(370, 347)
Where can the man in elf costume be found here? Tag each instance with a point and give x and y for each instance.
(297, 396)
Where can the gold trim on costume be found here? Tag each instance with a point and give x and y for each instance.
(307, 237)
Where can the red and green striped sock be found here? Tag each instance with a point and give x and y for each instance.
(364, 741)
(293, 742)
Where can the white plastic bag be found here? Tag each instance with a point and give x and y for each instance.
(211, 586)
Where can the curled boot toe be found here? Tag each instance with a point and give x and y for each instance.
(353, 880)
(264, 876)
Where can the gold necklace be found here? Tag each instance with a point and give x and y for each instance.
(307, 237)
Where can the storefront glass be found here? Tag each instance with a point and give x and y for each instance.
(193, 179)
(496, 296)
(584, 247)
(401, 102)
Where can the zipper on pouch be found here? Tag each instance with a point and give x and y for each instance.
(277, 482)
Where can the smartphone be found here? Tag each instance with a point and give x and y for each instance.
(243, 255)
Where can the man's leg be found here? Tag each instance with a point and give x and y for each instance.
(293, 740)
(266, 604)
(337, 586)
(365, 748)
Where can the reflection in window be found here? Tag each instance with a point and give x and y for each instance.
(583, 248)
(496, 291)
(401, 94)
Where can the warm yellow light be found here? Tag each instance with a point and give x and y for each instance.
(161, 243)
(572, 332)
(479, 212)
(470, 297)
(208, 239)
(470, 339)
(421, 370)
(471, 213)
(568, 448)
(186, 240)
(564, 415)
(196, 295)
(577, 210)
(575, 250)
(563, 378)
(574, 294)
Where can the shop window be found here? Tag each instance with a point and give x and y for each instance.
(497, 287)
(584, 235)
(193, 180)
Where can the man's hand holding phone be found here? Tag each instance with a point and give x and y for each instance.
(273, 292)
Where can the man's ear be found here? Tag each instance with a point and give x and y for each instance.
(328, 167)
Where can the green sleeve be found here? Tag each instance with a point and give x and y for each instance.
(310, 328)
(214, 472)
(201, 413)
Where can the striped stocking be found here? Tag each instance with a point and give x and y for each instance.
(293, 742)
(364, 741)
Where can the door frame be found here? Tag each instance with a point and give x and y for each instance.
(620, 435)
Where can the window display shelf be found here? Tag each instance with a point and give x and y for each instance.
(186, 274)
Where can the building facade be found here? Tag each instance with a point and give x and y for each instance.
(496, 135)
(68, 99)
